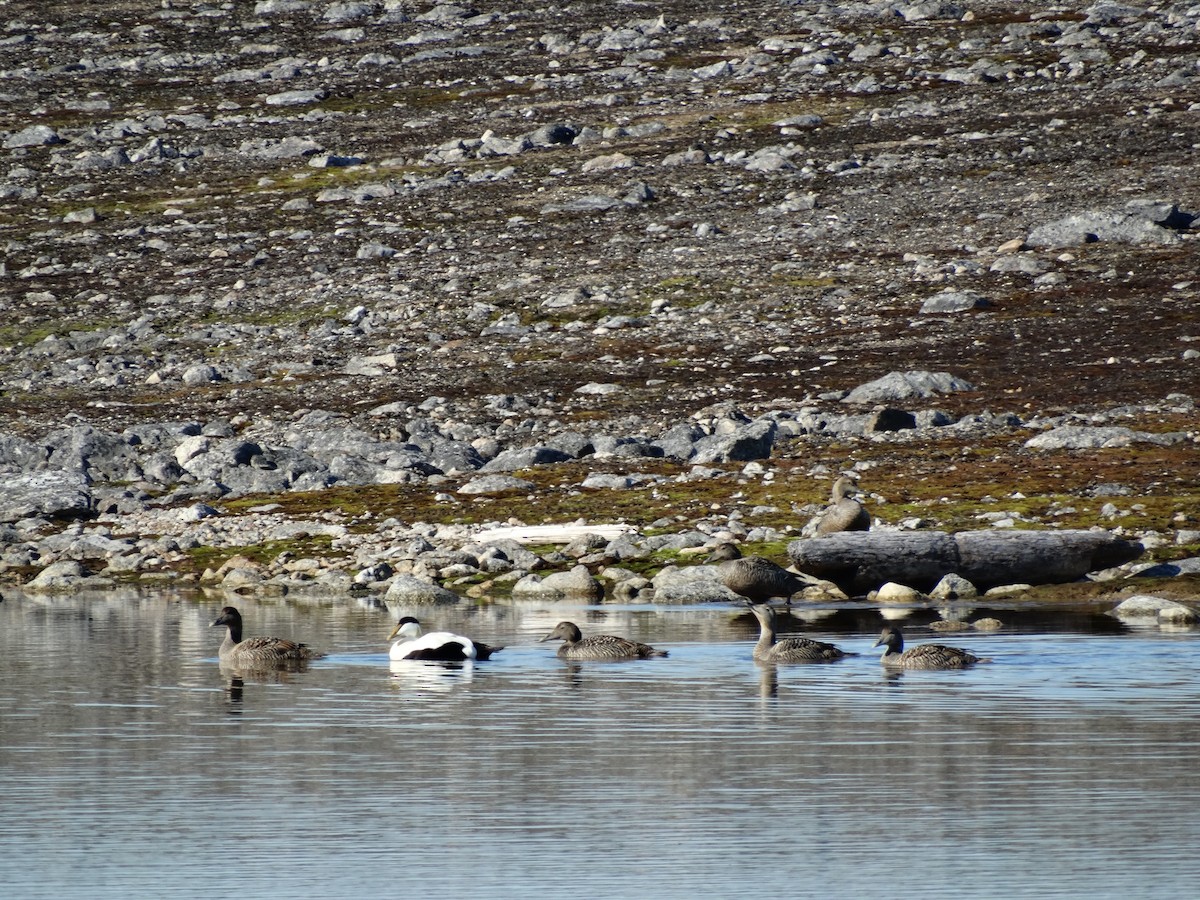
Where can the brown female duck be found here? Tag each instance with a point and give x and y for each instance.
(597, 647)
(923, 656)
(258, 652)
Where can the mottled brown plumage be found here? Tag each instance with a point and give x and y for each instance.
(923, 656)
(844, 513)
(597, 647)
(258, 651)
(753, 577)
(791, 649)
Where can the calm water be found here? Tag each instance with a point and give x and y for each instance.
(132, 766)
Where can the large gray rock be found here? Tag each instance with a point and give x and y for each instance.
(100, 455)
(952, 301)
(1124, 227)
(577, 584)
(64, 575)
(691, 584)
(749, 442)
(495, 485)
(1144, 606)
(906, 386)
(1089, 437)
(524, 458)
(33, 136)
(408, 591)
(20, 454)
(52, 495)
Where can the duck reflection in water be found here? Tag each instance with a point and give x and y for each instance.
(431, 676)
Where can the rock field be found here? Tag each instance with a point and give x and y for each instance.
(305, 295)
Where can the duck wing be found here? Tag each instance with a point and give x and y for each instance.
(805, 650)
(275, 648)
(938, 656)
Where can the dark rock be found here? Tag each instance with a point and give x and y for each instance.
(890, 419)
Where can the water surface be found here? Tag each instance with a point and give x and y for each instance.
(132, 763)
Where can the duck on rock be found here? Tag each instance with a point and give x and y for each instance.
(923, 656)
(410, 642)
(258, 652)
(754, 577)
(597, 647)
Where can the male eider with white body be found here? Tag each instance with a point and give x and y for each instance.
(410, 642)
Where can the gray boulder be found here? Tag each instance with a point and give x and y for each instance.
(691, 584)
(52, 494)
(408, 591)
(1123, 227)
(897, 386)
(577, 584)
(746, 443)
(495, 485)
(64, 575)
(524, 458)
(1144, 606)
(1089, 437)
(33, 136)
(952, 301)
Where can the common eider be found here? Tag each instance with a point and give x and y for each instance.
(844, 513)
(790, 649)
(598, 646)
(754, 577)
(258, 651)
(923, 656)
(409, 642)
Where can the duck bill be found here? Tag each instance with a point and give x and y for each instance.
(395, 631)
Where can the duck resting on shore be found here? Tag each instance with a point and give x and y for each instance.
(258, 651)
(754, 577)
(410, 642)
(923, 656)
(597, 647)
(843, 513)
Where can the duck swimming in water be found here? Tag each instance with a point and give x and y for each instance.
(410, 642)
(598, 646)
(260, 652)
(754, 577)
(790, 649)
(923, 656)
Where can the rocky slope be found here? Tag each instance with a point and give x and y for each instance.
(296, 251)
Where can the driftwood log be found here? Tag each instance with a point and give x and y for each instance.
(861, 561)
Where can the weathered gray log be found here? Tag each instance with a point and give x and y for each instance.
(859, 562)
(988, 558)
